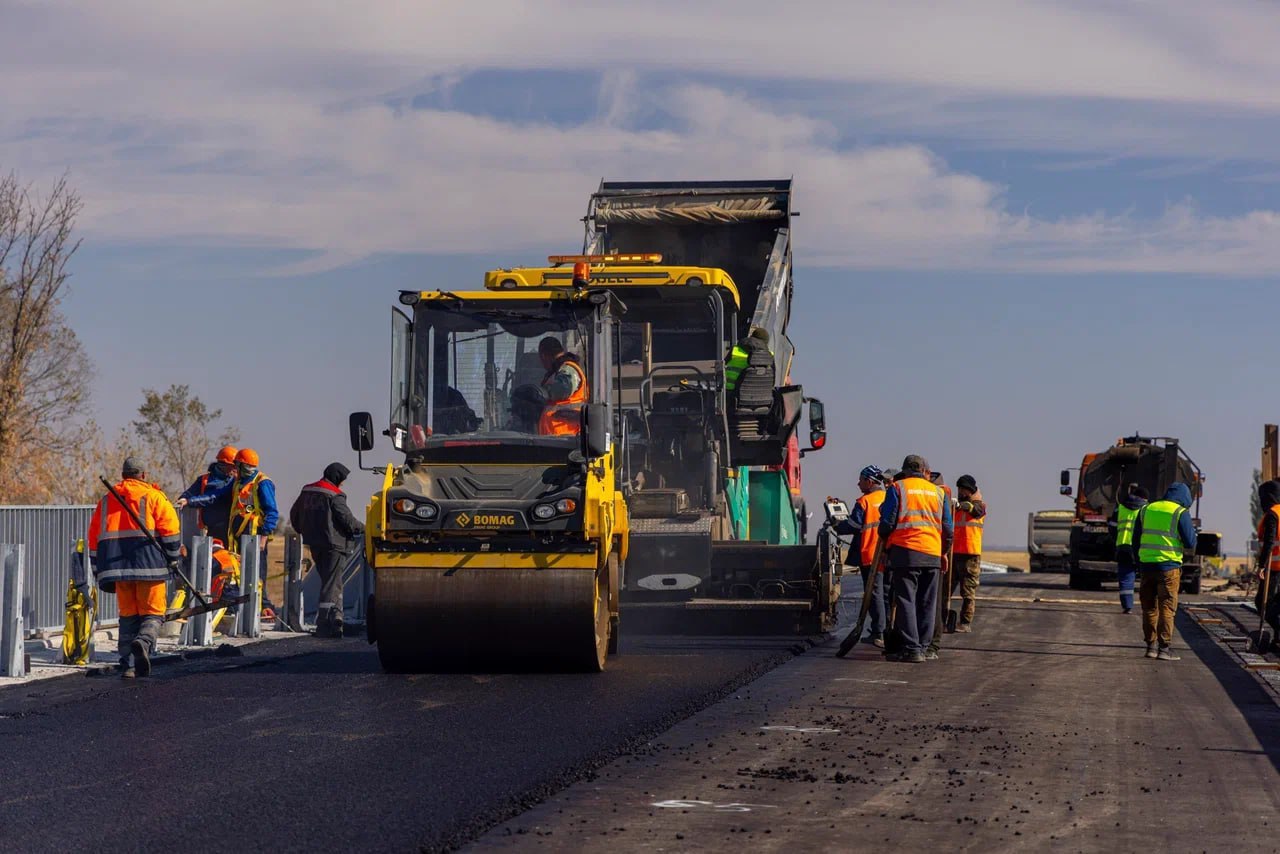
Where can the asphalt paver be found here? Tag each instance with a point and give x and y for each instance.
(305, 745)
(1043, 729)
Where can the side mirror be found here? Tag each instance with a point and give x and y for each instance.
(1064, 490)
(817, 426)
(1065, 478)
(1208, 544)
(360, 425)
(596, 430)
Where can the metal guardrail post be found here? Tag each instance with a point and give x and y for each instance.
(249, 620)
(12, 654)
(201, 625)
(292, 616)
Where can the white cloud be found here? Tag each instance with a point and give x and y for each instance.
(267, 124)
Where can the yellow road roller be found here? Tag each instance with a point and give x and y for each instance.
(500, 535)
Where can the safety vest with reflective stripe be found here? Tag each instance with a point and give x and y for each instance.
(564, 417)
(1160, 542)
(870, 504)
(919, 525)
(246, 511)
(968, 538)
(734, 366)
(1274, 558)
(1125, 519)
(119, 549)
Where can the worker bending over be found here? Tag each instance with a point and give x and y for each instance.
(566, 386)
(863, 524)
(966, 561)
(321, 517)
(1163, 531)
(1126, 555)
(128, 564)
(1269, 557)
(916, 525)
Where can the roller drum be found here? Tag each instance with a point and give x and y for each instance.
(438, 618)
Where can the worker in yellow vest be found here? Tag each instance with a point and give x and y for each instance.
(1126, 516)
(1163, 533)
(916, 525)
(966, 559)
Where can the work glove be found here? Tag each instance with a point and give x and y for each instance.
(180, 503)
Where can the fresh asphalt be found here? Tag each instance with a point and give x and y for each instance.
(1044, 730)
(305, 745)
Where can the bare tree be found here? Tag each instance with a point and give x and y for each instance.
(44, 372)
(174, 427)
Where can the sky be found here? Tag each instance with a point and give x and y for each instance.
(1027, 228)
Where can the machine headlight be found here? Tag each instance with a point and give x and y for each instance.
(403, 505)
(566, 505)
(543, 512)
(426, 511)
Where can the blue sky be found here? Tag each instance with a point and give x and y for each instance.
(1043, 198)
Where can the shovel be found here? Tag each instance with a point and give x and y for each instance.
(1261, 639)
(177, 567)
(851, 639)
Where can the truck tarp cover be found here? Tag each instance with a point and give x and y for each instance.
(1117, 465)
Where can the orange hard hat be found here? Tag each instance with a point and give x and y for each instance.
(227, 454)
(248, 456)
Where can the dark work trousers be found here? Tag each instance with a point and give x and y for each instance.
(329, 563)
(1272, 617)
(145, 628)
(879, 600)
(915, 594)
(1126, 573)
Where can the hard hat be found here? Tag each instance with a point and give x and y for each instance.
(248, 456)
(227, 454)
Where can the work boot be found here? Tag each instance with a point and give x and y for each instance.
(1166, 654)
(141, 657)
(876, 639)
(1128, 610)
(964, 627)
(930, 655)
(127, 673)
(916, 657)
(1151, 651)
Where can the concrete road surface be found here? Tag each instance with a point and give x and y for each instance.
(1043, 730)
(306, 745)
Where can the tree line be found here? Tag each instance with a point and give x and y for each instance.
(51, 448)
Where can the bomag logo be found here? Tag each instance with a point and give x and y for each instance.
(485, 520)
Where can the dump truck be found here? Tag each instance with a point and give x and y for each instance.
(1049, 539)
(1152, 462)
(712, 470)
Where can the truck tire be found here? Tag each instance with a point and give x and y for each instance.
(1192, 587)
(1075, 580)
(1034, 565)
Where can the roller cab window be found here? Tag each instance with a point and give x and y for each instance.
(475, 378)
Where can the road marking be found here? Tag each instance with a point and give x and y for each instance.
(872, 681)
(805, 729)
(692, 805)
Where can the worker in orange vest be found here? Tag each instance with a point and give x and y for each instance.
(863, 525)
(966, 560)
(916, 525)
(567, 391)
(129, 565)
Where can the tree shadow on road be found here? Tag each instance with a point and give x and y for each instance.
(1256, 705)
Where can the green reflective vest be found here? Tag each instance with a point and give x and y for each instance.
(1160, 542)
(1125, 519)
(734, 366)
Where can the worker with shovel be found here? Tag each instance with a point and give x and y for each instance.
(863, 524)
(1267, 597)
(966, 561)
(134, 546)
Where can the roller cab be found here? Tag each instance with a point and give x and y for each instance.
(500, 535)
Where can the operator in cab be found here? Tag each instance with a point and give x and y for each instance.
(566, 386)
